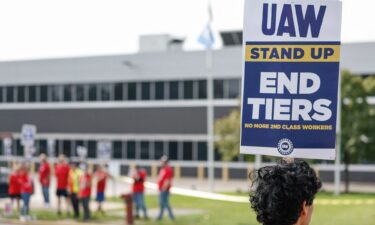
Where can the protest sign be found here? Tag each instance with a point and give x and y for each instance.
(28, 133)
(104, 150)
(291, 76)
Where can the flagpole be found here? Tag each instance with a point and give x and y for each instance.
(210, 120)
(210, 107)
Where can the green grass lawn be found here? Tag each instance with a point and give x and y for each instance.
(241, 214)
(223, 213)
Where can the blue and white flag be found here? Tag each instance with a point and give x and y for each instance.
(207, 37)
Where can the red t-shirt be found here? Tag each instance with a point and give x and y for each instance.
(166, 173)
(26, 183)
(102, 180)
(139, 180)
(14, 184)
(62, 175)
(85, 186)
(44, 174)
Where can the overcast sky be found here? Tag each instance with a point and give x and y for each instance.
(32, 29)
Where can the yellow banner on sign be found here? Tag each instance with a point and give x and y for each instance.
(292, 53)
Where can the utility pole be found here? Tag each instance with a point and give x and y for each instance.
(337, 176)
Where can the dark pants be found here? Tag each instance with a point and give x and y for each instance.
(75, 204)
(86, 207)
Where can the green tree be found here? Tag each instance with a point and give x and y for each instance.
(227, 130)
(357, 121)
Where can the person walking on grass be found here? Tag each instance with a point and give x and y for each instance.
(73, 187)
(44, 178)
(101, 175)
(85, 191)
(138, 191)
(62, 173)
(284, 193)
(165, 184)
(27, 189)
(14, 189)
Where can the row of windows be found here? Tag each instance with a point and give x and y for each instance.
(142, 150)
(159, 90)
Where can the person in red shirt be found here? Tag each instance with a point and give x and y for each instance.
(138, 191)
(101, 175)
(14, 190)
(44, 177)
(165, 184)
(85, 191)
(62, 175)
(27, 189)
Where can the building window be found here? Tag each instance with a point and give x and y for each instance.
(67, 148)
(68, 93)
(188, 89)
(202, 151)
(173, 90)
(202, 89)
(21, 94)
(42, 147)
(32, 94)
(132, 91)
(218, 89)
(159, 149)
(130, 150)
(1, 95)
(145, 90)
(173, 150)
(91, 149)
(145, 150)
(159, 90)
(44, 93)
(93, 94)
(80, 92)
(187, 151)
(105, 92)
(119, 92)
(56, 93)
(233, 88)
(10, 94)
(117, 149)
(19, 148)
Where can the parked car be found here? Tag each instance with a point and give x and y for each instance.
(4, 179)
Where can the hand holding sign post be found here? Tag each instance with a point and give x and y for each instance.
(290, 82)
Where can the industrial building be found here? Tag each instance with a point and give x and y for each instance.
(147, 104)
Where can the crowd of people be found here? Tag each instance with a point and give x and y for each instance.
(74, 183)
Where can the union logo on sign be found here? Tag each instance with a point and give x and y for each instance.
(285, 146)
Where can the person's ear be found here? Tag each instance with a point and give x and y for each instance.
(305, 209)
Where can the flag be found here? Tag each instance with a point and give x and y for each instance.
(207, 38)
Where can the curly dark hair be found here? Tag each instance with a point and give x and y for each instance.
(278, 192)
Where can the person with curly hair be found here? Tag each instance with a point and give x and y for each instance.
(283, 194)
